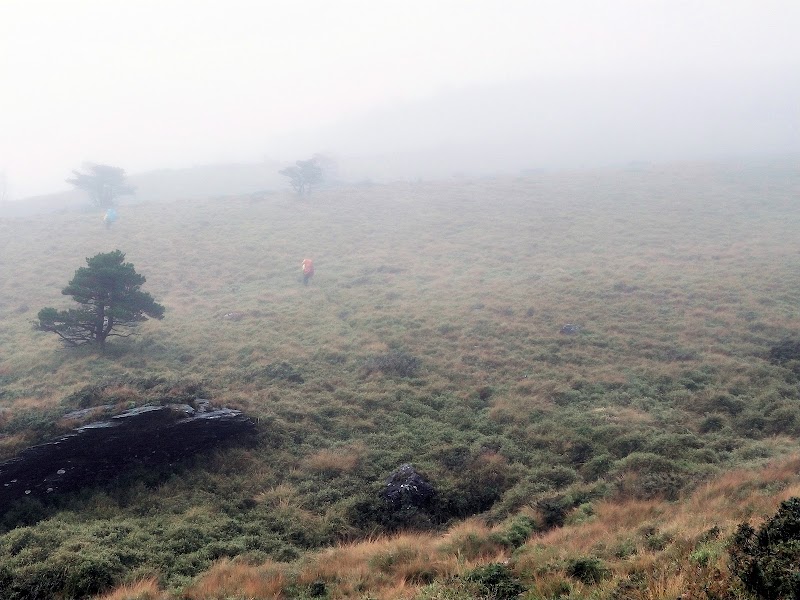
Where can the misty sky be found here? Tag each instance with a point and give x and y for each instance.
(173, 83)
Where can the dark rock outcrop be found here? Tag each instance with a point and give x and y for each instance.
(406, 488)
(99, 451)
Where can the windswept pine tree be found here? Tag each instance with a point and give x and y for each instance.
(111, 303)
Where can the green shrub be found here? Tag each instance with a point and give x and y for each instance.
(496, 580)
(646, 475)
(93, 573)
(625, 548)
(704, 554)
(580, 452)
(317, 589)
(581, 514)
(556, 476)
(451, 589)
(587, 570)
(783, 420)
(674, 445)
(517, 533)
(596, 467)
(654, 540)
(553, 511)
(26, 511)
(784, 352)
(629, 587)
(751, 423)
(387, 562)
(767, 560)
(723, 403)
(627, 444)
(79, 574)
(712, 422)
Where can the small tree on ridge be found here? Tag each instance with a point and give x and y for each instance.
(103, 184)
(111, 303)
(304, 174)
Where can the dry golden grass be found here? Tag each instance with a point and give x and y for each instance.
(389, 568)
(228, 579)
(721, 504)
(470, 542)
(146, 589)
(281, 496)
(385, 568)
(10, 443)
(336, 460)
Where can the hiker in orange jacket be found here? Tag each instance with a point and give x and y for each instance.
(308, 270)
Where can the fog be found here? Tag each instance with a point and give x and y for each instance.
(418, 89)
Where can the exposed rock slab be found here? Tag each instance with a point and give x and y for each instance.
(99, 451)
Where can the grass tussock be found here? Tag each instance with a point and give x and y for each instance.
(146, 589)
(336, 460)
(227, 579)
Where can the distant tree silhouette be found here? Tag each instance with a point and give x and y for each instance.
(103, 184)
(111, 302)
(304, 174)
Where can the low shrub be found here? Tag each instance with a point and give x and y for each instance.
(712, 422)
(625, 548)
(396, 363)
(587, 570)
(496, 580)
(767, 560)
(553, 511)
(554, 476)
(645, 475)
(516, 533)
(65, 574)
(627, 444)
(596, 467)
(655, 540)
(786, 351)
(451, 589)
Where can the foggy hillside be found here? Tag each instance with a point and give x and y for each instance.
(207, 180)
(599, 362)
(434, 90)
(546, 123)
(571, 122)
(202, 181)
(447, 300)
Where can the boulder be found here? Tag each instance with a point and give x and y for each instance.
(569, 329)
(406, 488)
(147, 436)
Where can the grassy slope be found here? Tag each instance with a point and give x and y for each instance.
(680, 278)
(643, 550)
